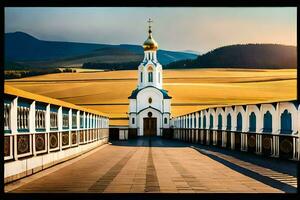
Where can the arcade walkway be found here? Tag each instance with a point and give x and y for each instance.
(159, 165)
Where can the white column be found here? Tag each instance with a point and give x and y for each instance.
(14, 116)
(32, 126)
(100, 122)
(86, 120)
(193, 120)
(84, 116)
(59, 119)
(197, 119)
(31, 116)
(78, 119)
(47, 118)
(14, 125)
(70, 118)
(276, 124)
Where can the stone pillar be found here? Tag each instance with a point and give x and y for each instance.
(14, 125)
(32, 127)
(60, 126)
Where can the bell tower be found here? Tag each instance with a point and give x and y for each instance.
(150, 70)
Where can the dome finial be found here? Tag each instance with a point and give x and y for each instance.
(150, 43)
(150, 21)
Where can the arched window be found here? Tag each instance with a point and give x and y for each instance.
(199, 121)
(165, 120)
(150, 74)
(195, 121)
(204, 121)
(252, 122)
(220, 122)
(150, 77)
(81, 120)
(141, 77)
(21, 117)
(20, 114)
(239, 122)
(211, 121)
(6, 116)
(228, 122)
(26, 118)
(188, 122)
(267, 122)
(18, 118)
(286, 122)
(133, 120)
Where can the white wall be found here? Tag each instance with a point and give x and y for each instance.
(145, 94)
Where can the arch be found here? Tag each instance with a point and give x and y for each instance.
(187, 122)
(239, 122)
(286, 122)
(228, 126)
(204, 121)
(252, 122)
(150, 76)
(267, 126)
(211, 121)
(199, 125)
(286, 108)
(220, 121)
(274, 116)
(195, 120)
(229, 110)
(165, 120)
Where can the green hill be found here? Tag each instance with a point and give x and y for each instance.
(272, 56)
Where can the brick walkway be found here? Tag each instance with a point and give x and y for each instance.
(167, 166)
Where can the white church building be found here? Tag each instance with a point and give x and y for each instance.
(149, 103)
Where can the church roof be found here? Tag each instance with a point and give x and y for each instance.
(136, 91)
(150, 44)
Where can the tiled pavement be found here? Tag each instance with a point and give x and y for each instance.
(166, 166)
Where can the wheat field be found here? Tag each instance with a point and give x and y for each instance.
(191, 89)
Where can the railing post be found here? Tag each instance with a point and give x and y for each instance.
(14, 126)
(32, 126)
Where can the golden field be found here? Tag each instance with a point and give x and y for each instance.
(191, 89)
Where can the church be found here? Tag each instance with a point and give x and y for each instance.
(149, 103)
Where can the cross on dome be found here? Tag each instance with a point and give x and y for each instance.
(150, 43)
(150, 21)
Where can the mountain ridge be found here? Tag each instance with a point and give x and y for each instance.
(23, 48)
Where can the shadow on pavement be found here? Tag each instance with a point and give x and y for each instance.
(155, 141)
(264, 179)
(282, 166)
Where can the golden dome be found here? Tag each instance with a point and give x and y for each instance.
(150, 43)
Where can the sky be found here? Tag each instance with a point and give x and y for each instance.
(182, 28)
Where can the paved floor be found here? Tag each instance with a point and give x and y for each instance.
(158, 165)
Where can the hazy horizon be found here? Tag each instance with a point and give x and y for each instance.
(177, 29)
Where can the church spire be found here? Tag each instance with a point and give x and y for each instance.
(150, 43)
(150, 31)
